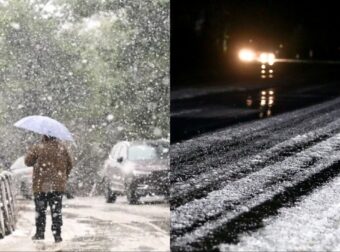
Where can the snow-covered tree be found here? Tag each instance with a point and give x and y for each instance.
(99, 66)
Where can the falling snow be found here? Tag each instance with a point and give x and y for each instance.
(100, 67)
(106, 76)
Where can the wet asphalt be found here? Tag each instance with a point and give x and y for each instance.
(249, 99)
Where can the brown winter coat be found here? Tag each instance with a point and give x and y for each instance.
(52, 165)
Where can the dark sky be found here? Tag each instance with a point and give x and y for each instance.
(206, 34)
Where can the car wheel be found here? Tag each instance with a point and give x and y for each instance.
(132, 196)
(110, 196)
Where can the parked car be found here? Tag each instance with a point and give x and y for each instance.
(137, 169)
(22, 177)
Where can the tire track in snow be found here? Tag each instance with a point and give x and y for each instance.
(198, 221)
(198, 148)
(203, 153)
(311, 225)
(200, 185)
(207, 203)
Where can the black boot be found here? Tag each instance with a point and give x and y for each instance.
(39, 235)
(57, 236)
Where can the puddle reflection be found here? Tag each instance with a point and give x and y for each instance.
(266, 102)
(267, 72)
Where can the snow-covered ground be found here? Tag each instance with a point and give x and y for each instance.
(313, 224)
(225, 183)
(90, 224)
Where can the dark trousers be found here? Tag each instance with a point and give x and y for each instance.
(54, 200)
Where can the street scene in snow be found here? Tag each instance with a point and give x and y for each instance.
(255, 144)
(93, 225)
(84, 125)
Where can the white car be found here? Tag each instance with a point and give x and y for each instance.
(137, 169)
(22, 177)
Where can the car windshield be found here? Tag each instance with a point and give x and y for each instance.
(142, 152)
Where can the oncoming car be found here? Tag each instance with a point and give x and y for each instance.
(137, 169)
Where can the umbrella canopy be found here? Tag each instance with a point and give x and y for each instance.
(45, 126)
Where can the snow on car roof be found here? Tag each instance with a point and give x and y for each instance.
(19, 163)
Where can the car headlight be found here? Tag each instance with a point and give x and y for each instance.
(267, 58)
(247, 55)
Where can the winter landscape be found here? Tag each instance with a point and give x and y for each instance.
(255, 126)
(101, 69)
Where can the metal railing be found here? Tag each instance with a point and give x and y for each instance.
(8, 212)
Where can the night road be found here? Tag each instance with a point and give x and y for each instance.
(228, 183)
(203, 107)
(255, 126)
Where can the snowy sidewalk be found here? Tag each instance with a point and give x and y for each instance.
(90, 224)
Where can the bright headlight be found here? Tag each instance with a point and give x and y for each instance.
(246, 55)
(263, 58)
(267, 58)
(271, 58)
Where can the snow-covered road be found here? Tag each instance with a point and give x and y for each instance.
(312, 225)
(224, 184)
(90, 224)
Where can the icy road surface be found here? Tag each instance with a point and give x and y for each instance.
(90, 224)
(225, 184)
(315, 221)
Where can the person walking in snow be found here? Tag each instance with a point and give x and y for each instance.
(52, 165)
